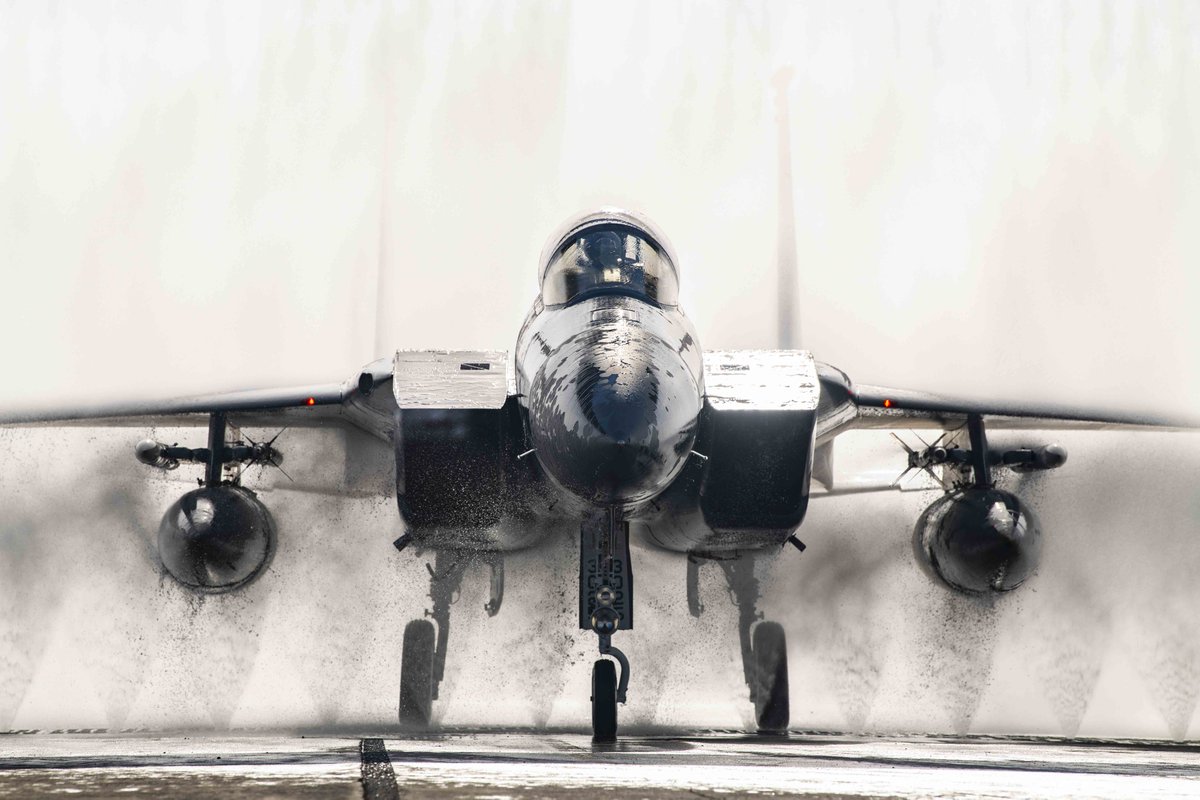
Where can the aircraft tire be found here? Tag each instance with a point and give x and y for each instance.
(771, 701)
(416, 675)
(604, 701)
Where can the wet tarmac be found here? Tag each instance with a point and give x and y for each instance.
(502, 765)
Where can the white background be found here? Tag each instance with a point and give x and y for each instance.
(994, 198)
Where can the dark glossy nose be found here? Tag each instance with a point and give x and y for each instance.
(613, 417)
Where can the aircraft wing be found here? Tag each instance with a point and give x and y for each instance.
(365, 401)
(846, 405)
(428, 383)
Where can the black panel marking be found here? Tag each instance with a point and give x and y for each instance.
(378, 777)
(604, 561)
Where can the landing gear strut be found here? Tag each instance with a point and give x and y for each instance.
(763, 644)
(423, 659)
(606, 606)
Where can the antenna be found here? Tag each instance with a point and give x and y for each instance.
(788, 319)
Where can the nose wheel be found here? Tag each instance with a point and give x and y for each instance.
(604, 701)
(605, 607)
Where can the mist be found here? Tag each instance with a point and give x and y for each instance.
(993, 202)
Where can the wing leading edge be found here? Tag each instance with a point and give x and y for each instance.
(431, 379)
(848, 405)
(357, 401)
(888, 405)
(228, 402)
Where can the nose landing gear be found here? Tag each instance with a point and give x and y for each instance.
(606, 606)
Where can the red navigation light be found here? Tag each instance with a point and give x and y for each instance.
(312, 401)
(886, 403)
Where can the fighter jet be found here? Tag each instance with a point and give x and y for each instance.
(607, 421)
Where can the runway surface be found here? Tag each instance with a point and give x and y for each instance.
(502, 765)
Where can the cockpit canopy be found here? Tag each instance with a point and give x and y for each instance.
(610, 251)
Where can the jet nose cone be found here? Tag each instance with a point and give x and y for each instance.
(619, 404)
(613, 423)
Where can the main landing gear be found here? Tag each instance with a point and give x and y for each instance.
(423, 659)
(764, 645)
(606, 606)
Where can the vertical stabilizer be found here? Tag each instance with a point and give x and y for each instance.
(788, 320)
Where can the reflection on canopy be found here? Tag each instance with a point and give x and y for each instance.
(606, 253)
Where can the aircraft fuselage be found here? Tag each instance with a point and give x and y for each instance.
(605, 411)
(613, 387)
